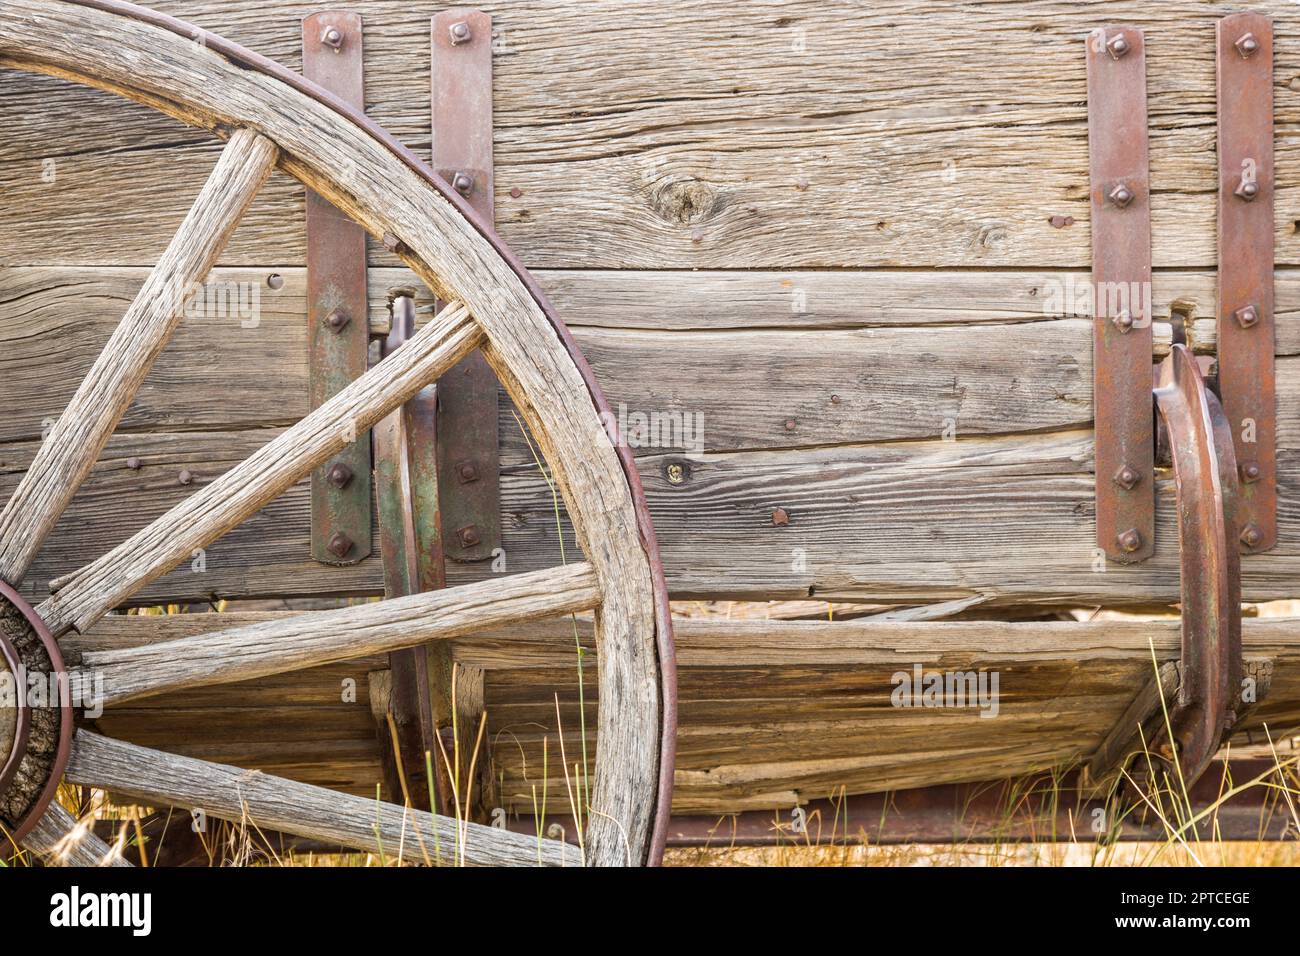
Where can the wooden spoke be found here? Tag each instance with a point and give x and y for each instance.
(70, 450)
(85, 595)
(308, 640)
(60, 839)
(273, 803)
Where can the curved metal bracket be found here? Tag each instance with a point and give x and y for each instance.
(1196, 434)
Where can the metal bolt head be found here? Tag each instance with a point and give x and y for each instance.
(1246, 317)
(133, 464)
(467, 472)
(1252, 536)
(1121, 195)
(791, 424)
(1117, 46)
(339, 475)
(460, 33)
(332, 38)
(468, 536)
(463, 183)
(1251, 473)
(1127, 477)
(1123, 321)
(1130, 540)
(676, 473)
(1247, 45)
(780, 518)
(185, 477)
(1248, 190)
(337, 320)
(339, 544)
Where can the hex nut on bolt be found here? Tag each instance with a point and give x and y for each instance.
(339, 544)
(1250, 473)
(1130, 540)
(468, 536)
(332, 38)
(1248, 190)
(1118, 46)
(1247, 45)
(1252, 536)
(1247, 316)
(463, 183)
(460, 33)
(339, 475)
(337, 320)
(467, 472)
(1123, 321)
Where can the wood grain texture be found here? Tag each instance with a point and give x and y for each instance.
(82, 428)
(325, 637)
(368, 182)
(289, 807)
(88, 593)
(60, 841)
(772, 712)
(784, 134)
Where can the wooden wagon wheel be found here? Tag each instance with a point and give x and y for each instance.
(271, 118)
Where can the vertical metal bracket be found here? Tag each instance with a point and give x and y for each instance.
(411, 551)
(338, 332)
(468, 462)
(1246, 331)
(1121, 276)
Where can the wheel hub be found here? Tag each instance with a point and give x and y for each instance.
(35, 716)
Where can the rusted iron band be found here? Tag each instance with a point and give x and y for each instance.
(66, 719)
(247, 59)
(1200, 445)
(23, 717)
(338, 327)
(468, 447)
(1247, 377)
(1121, 277)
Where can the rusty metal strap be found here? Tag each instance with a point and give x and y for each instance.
(1199, 441)
(1121, 276)
(1246, 330)
(338, 327)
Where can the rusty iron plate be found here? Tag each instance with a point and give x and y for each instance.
(1121, 276)
(1199, 441)
(338, 328)
(468, 462)
(410, 535)
(1247, 378)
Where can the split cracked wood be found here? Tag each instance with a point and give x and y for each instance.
(81, 598)
(382, 188)
(272, 803)
(60, 840)
(310, 640)
(83, 428)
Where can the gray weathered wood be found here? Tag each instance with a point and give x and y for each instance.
(60, 841)
(790, 133)
(370, 183)
(324, 637)
(88, 593)
(83, 427)
(270, 803)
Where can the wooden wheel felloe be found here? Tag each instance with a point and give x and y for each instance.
(274, 119)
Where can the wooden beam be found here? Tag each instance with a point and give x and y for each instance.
(277, 804)
(324, 637)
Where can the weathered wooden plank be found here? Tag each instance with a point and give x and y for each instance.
(766, 143)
